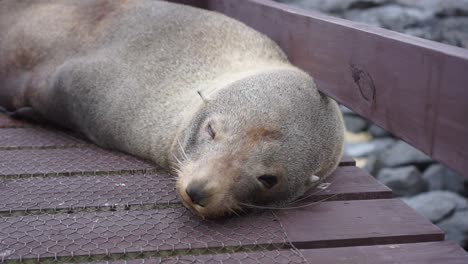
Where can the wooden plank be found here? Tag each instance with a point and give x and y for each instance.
(348, 183)
(73, 161)
(36, 137)
(329, 224)
(417, 253)
(123, 232)
(267, 257)
(347, 161)
(354, 223)
(152, 189)
(86, 192)
(414, 88)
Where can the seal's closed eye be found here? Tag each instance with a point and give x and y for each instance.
(268, 181)
(210, 131)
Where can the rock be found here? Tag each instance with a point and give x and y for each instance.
(368, 148)
(439, 177)
(373, 165)
(442, 21)
(392, 17)
(437, 205)
(402, 154)
(355, 123)
(346, 111)
(452, 31)
(456, 228)
(334, 6)
(378, 132)
(438, 7)
(404, 181)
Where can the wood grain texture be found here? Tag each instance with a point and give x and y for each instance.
(417, 253)
(354, 223)
(414, 88)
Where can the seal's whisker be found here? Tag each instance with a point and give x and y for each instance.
(242, 210)
(309, 204)
(288, 208)
(176, 171)
(234, 212)
(314, 193)
(179, 163)
(259, 207)
(181, 148)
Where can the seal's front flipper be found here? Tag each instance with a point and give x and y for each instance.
(28, 114)
(3, 110)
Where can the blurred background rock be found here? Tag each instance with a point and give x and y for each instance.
(432, 189)
(439, 20)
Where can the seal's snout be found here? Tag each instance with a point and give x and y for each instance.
(197, 193)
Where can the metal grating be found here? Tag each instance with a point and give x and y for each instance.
(123, 190)
(273, 257)
(66, 162)
(35, 137)
(38, 193)
(107, 233)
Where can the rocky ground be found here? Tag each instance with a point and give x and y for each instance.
(439, 20)
(432, 189)
(429, 187)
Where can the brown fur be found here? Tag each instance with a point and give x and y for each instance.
(262, 133)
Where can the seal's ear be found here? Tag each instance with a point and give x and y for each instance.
(312, 180)
(202, 97)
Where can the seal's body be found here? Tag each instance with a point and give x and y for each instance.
(192, 90)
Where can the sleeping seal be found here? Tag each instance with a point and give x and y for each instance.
(194, 91)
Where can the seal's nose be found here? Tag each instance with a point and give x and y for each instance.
(197, 193)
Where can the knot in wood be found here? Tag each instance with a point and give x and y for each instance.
(364, 82)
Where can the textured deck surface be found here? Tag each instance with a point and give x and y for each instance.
(62, 198)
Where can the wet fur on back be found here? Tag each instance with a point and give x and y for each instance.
(126, 75)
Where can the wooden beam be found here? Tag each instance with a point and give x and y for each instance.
(416, 89)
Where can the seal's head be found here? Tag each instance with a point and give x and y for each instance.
(262, 140)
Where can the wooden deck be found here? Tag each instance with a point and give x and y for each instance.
(64, 199)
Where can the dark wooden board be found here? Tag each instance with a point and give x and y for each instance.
(414, 253)
(414, 88)
(69, 161)
(347, 161)
(329, 224)
(105, 233)
(348, 183)
(354, 223)
(36, 137)
(417, 253)
(152, 189)
(85, 192)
